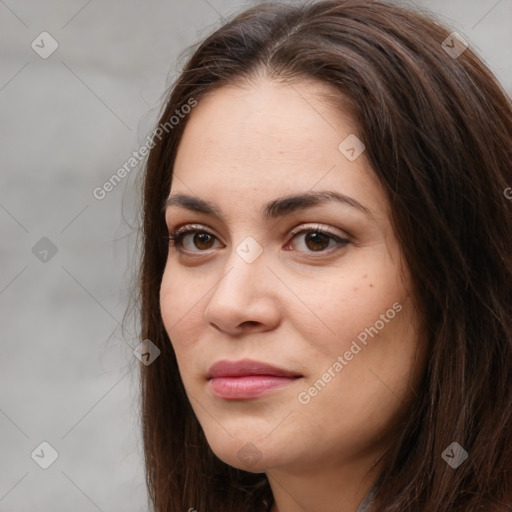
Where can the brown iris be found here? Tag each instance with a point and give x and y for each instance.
(202, 238)
(316, 238)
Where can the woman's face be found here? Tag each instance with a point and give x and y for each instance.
(313, 287)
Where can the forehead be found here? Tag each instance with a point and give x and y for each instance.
(268, 138)
(264, 120)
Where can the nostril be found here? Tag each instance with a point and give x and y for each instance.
(250, 323)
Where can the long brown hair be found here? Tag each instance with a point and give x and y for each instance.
(437, 127)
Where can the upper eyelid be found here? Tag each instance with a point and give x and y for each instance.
(318, 227)
(186, 228)
(191, 227)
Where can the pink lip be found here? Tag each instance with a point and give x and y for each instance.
(246, 379)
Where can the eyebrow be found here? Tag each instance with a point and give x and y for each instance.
(274, 209)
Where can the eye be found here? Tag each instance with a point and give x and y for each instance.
(316, 240)
(202, 239)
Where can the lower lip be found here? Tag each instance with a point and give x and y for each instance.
(250, 386)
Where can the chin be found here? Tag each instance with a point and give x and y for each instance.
(254, 457)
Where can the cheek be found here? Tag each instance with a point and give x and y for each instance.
(351, 306)
(363, 393)
(182, 314)
(180, 299)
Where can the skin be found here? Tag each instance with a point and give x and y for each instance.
(295, 306)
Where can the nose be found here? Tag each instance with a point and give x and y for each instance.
(245, 299)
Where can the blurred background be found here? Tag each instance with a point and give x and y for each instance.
(81, 84)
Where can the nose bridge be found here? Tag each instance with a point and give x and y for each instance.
(246, 266)
(244, 293)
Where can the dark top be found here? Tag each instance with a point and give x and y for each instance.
(363, 507)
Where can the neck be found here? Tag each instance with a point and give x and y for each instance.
(330, 488)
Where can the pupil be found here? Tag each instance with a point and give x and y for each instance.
(203, 238)
(317, 239)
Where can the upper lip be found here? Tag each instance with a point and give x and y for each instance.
(227, 368)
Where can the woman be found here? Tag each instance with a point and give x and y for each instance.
(327, 269)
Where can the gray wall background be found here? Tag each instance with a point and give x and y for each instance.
(69, 121)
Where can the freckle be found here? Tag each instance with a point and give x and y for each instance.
(371, 285)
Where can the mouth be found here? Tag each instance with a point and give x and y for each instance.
(246, 379)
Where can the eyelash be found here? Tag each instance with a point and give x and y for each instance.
(176, 238)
